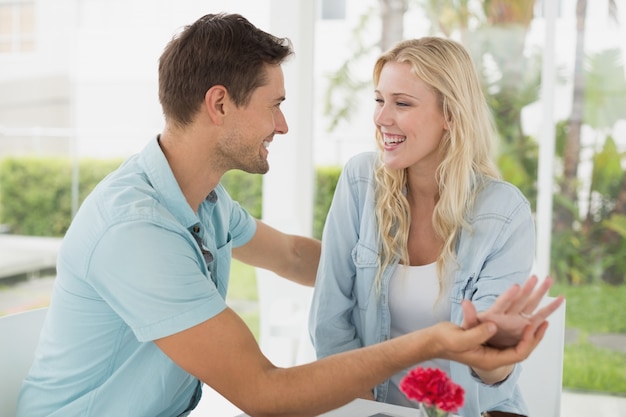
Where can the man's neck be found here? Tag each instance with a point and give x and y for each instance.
(187, 158)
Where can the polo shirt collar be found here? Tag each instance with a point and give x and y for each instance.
(162, 178)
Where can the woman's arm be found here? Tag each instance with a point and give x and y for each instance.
(331, 325)
(503, 227)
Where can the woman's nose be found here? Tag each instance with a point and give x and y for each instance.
(381, 116)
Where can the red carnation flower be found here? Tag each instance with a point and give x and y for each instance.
(433, 389)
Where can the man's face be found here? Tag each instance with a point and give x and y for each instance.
(252, 127)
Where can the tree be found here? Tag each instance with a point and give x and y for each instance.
(564, 217)
(342, 86)
(605, 104)
(392, 19)
(599, 100)
(511, 80)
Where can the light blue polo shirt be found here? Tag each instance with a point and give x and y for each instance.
(130, 271)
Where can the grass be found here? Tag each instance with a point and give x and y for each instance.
(242, 282)
(242, 287)
(252, 321)
(593, 309)
(598, 308)
(589, 368)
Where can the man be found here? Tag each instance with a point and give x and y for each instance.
(138, 320)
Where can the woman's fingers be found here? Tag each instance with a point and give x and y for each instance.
(524, 296)
(504, 301)
(522, 300)
(535, 298)
(543, 313)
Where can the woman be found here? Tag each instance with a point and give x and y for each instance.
(425, 223)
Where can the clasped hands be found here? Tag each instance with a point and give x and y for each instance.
(515, 310)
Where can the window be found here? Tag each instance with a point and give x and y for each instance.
(540, 7)
(333, 9)
(17, 26)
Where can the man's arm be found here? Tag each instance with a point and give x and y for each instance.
(223, 353)
(291, 256)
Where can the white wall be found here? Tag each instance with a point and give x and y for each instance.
(118, 44)
(111, 49)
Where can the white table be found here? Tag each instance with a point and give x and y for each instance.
(213, 404)
(366, 408)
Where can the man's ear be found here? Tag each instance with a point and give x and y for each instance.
(215, 101)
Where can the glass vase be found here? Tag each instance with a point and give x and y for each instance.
(424, 411)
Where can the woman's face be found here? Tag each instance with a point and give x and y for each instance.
(409, 118)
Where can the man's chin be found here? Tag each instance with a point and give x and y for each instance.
(257, 170)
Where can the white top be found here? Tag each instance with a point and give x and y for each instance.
(414, 304)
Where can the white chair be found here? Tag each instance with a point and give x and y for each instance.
(284, 309)
(19, 334)
(541, 381)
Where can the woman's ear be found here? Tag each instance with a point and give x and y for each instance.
(215, 101)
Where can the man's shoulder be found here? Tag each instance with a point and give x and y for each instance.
(127, 192)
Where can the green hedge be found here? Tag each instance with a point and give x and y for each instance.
(246, 189)
(36, 192)
(325, 183)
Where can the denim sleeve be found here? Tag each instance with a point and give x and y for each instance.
(331, 325)
(498, 253)
(509, 239)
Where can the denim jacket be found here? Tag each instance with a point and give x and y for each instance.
(347, 312)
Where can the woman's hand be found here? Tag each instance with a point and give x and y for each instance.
(460, 345)
(514, 310)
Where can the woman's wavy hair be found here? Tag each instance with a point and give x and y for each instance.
(446, 67)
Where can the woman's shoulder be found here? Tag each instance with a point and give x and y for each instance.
(361, 164)
(497, 187)
(499, 196)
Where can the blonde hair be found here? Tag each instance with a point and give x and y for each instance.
(446, 67)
